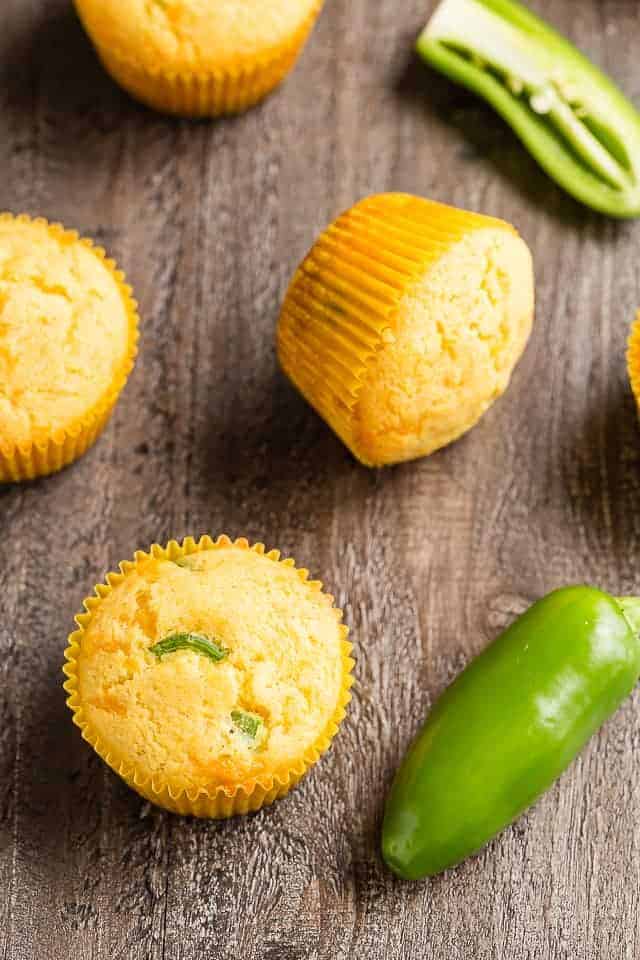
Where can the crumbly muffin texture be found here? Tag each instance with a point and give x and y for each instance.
(449, 350)
(404, 322)
(176, 718)
(195, 34)
(64, 330)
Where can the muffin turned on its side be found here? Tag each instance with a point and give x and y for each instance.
(404, 323)
(68, 333)
(198, 57)
(210, 676)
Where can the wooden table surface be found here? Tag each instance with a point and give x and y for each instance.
(429, 560)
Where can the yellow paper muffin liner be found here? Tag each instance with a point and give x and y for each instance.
(345, 294)
(203, 93)
(24, 462)
(633, 359)
(223, 801)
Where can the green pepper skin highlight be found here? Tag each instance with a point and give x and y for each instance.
(508, 726)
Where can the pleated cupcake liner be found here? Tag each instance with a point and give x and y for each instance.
(203, 93)
(217, 801)
(633, 359)
(340, 306)
(20, 462)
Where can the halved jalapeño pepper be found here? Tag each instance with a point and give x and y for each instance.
(509, 725)
(577, 124)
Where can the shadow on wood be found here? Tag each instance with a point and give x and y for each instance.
(270, 444)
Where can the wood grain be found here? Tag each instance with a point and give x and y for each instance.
(429, 560)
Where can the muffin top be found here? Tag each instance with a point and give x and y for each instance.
(450, 347)
(213, 670)
(195, 34)
(64, 330)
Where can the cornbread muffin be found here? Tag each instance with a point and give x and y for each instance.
(404, 322)
(633, 359)
(198, 57)
(209, 675)
(68, 331)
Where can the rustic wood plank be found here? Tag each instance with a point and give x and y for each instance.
(429, 560)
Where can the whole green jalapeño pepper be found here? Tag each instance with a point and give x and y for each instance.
(509, 725)
(577, 124)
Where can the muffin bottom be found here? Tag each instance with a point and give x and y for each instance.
(17, 465)
(210, 93)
